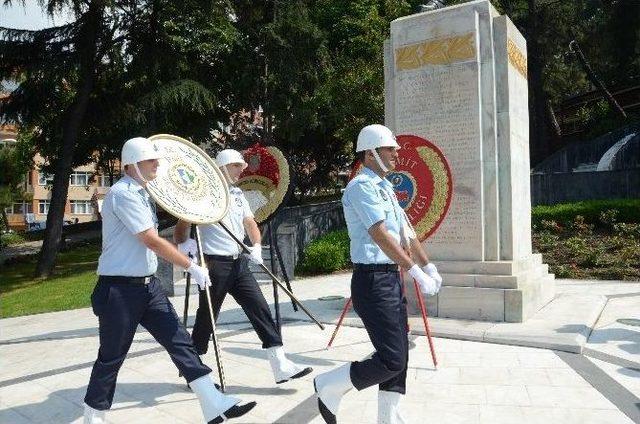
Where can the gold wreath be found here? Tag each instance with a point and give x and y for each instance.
(277, 197)
(441, 188)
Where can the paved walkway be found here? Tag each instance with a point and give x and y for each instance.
(46, 361)
(33, 247)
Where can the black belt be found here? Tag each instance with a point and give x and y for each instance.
(222, 258)
(375, 267)
(122, 279)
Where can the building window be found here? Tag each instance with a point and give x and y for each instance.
(80, 179)
(81, 207)
(20, 208)
(103, 181)
(43, 206)
(45, 179)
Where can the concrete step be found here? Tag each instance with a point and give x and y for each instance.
(489, 267)
(493, 304)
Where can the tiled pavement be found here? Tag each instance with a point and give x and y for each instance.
(45, 362)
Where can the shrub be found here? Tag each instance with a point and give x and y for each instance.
(609, 217)
(627, 230)
(580, 226)
(550, 226)
(326, 254)
(563, 271)
(12, 238)
(597, 212)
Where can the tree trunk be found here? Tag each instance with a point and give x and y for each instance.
(538, 147)
(5, 224)
(112, 171)
(86, 44)
(575, 47)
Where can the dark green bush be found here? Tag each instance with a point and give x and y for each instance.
(594, 212)
(326, 254)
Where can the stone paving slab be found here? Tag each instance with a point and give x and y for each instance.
(475, 382)
(46, 360)
(563, 324)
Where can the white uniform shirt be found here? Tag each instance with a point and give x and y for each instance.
(127, 211)
(215, 240)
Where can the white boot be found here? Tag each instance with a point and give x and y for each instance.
(216, 406)
(388, 408)
(93, 416)
(330, 387)
(284, 369)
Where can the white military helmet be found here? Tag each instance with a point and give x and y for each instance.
(227, 156)
(373, 136)
(138, 149)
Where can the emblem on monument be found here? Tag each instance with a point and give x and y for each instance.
(422, 183)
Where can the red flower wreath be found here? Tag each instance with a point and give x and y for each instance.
(261, 162)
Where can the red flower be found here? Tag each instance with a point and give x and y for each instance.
(261, 162)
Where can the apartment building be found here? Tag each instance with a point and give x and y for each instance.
(87, 188)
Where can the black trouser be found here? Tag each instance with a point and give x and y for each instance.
(377, 295)
(121, 303)
(232, 276)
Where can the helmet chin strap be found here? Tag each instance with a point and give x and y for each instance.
(379, 160)
(144, 181)
(226, 174)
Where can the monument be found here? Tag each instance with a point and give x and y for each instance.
(457, 77)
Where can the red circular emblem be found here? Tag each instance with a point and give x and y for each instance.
(265, 181)
(422, 183)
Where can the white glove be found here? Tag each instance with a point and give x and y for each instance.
(427, 284)
(200, 274)
(431, 270)
(256, 254)
(189, 248)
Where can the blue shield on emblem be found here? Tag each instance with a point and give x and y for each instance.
(403, 187)
(185, 176)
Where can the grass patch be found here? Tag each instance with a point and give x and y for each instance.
(12, 238)
(69, 287)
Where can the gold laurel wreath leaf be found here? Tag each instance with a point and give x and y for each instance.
(440, 190)
(276, 198)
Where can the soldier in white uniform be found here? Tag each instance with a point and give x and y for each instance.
(229, 272)
(128, 294)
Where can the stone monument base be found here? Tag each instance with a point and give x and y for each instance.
(506, 291)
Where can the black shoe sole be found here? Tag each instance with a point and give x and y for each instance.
(327, 416)
(302, 373)
(234, 412)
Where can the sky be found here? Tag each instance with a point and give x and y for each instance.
(29, 16)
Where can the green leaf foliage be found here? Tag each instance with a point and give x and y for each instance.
(595, 212)
(326, 254)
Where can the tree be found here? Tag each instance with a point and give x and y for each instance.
(607, 32)
(120, 69)
(14, 164)
(65, 59)
(316, 69)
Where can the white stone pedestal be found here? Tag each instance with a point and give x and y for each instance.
(457, 77)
